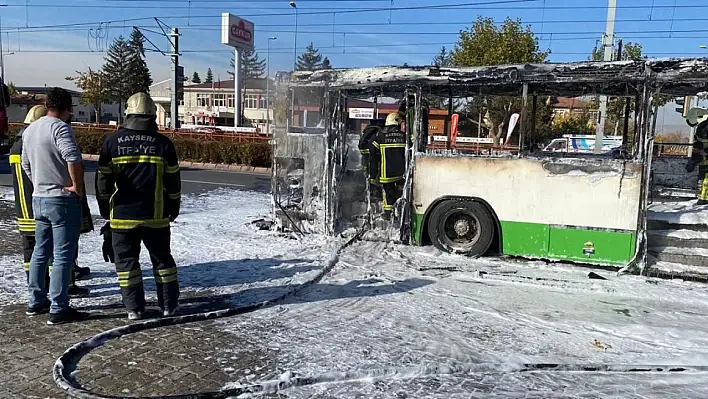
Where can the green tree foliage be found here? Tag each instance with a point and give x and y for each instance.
(209, 76)
(443, 59)
(95, 91)
(117, 79)
(485, 44)
(573, 123)
(326, 64)
(12, 89)
(252, 66)
(196, 78)
(138, 71)
(310, 60)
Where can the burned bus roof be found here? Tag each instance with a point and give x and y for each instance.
(673, 76)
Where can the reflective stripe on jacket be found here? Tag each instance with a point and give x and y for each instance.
(390, 146)
(138, 180)
(23, 195)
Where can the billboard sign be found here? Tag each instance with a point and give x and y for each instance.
(236, 32)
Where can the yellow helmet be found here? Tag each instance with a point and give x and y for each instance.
(140, 104)
(696, 116)
(394, 119)
(35, 113)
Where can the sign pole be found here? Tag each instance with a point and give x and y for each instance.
(237, 33)
(237, 88)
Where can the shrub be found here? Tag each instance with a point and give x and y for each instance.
(224, 152)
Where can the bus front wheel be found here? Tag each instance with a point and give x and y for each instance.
(462, 227)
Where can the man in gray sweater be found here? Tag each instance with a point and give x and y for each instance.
(52, 161)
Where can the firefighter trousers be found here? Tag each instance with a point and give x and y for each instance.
(391, 193)
(126, 246)
(27, 250)
(702, 184)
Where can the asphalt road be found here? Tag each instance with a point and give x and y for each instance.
(193, 180)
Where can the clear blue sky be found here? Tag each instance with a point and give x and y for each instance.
(569, 28)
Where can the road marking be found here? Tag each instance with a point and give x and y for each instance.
(214, 183)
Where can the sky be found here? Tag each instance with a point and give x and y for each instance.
(39, 48)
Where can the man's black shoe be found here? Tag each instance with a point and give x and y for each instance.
(78, 292)
(82, 273)
(37, 310)
(68, 316)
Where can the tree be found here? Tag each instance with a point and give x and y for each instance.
(138, 71)
(251, 66)
(326, 64)
(485, 43)
(116, 73)
(310, 60)
(11, 88)
(95, 90)
(196, 78)
(443, 59)
(209, 76)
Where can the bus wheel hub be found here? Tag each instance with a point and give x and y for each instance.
(462, 227)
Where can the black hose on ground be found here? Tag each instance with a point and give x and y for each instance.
(66, 365)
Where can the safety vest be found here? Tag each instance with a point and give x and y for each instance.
(138, 180)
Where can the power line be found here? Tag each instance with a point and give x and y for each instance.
(663, 54)
(329, 10)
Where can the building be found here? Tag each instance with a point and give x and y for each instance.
(212, 104)
(574, 106)
(26, 95)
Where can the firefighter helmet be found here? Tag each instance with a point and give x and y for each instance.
(140, 104)
(696, 116)
(394, 119)
(35, 113)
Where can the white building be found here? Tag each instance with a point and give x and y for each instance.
(212, 104)
(82, 113)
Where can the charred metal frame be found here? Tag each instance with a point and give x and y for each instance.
(640, 80)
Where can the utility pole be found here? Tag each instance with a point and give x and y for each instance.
(607, 41)
(176, 80)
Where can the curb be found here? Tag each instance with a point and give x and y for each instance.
(202, 165)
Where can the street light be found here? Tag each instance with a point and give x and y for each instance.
(293, 5)
(703, 46)
(268, 85)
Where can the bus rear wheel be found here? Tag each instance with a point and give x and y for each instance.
(462, 227)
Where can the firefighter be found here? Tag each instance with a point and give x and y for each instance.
(389, 146)
(138, 192)
(370, 164)
(23, 206)
(698, 118)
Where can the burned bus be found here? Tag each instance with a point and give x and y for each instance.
(515, 199)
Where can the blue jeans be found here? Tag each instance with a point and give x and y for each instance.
(57, 235)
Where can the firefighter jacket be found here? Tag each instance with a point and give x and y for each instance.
(389, 145)
(138, 179)
(23, 194)
(369, 164)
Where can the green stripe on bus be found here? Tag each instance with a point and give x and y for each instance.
(536, 240)
(417, 228)
(601, 247)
